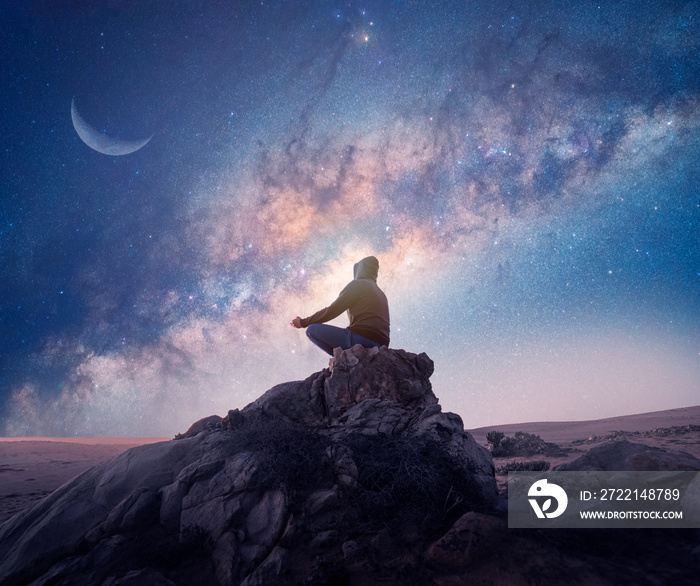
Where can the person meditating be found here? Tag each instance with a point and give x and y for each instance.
(368, 311)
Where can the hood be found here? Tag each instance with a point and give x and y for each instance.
(367, 268)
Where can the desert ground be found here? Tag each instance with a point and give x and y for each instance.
(31, 468)
(675, 430)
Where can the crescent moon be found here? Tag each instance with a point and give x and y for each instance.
(101, 142)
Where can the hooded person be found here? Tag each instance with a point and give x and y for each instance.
(367, 308)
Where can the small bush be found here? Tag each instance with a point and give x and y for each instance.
(521, 444)
(494, 438)
(501, 445)
(524, 466)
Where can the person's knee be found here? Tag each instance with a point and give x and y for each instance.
(312, 332)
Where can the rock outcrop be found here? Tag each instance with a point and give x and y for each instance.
(353, 476)
(353, 467)
(623, 455)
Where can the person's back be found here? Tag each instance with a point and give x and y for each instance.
(369, 314)
(367, 308)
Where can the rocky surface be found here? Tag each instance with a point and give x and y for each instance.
(312, 466)
(352, 476)
(673, 431)
(626, 455)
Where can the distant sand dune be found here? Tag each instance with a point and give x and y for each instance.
(31, 468)
(568, 431)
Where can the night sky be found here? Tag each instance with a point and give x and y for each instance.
(526, 172)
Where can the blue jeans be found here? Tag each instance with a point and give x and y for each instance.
(328, 337)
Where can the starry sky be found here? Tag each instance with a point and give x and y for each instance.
(526, 173)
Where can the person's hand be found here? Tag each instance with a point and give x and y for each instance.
(296, 322)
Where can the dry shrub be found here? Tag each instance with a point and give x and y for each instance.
(524, 466)
(411, 478)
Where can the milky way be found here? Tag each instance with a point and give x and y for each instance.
(526, 174)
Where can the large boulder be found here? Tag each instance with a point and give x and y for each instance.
(312, 470)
